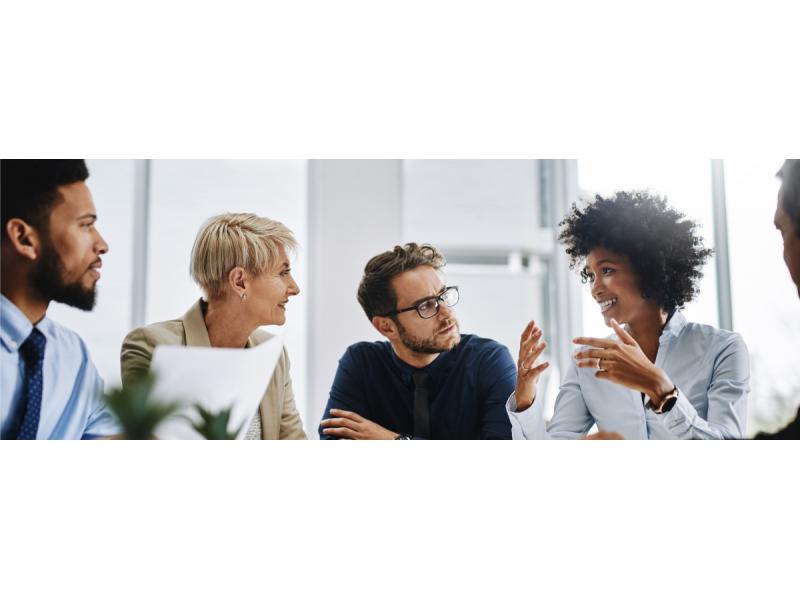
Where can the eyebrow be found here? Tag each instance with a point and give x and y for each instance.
(439, 293)
(88, 216)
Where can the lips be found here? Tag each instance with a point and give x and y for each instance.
(447, 329)
(94, 268)
(605, 305)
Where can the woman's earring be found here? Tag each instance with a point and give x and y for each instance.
(244, 297)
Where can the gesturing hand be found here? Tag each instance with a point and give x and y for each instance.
(622, 361)
(530, 349)
(352, 426)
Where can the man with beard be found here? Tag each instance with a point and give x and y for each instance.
(50, 252)
(427, 381)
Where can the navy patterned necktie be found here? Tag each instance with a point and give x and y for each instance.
(32, 351)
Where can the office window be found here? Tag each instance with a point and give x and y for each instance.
(766, 310)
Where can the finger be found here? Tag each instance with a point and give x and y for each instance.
(596, 342)
(591, 363)
(347, 415)
(341, 432)
(341, 422)
(587, 363)
(534, 355)
(537, 370)
(526, 333)
(623, 335)
(604, 435)
(595, 353)
(534, 336)
(528, 348)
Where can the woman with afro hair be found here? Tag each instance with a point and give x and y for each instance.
(659, 376)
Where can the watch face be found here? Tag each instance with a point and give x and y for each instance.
(669, 404)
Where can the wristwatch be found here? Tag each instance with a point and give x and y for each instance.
(669, 401)
(403, 436)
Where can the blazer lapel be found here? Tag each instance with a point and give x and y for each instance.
(194, 326)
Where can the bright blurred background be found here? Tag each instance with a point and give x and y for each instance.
(495, 220)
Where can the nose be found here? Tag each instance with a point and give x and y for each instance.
(445, 312)
(101, 247)
(597, 288)
(294, 289)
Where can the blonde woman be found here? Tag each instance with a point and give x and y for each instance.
(240, 261)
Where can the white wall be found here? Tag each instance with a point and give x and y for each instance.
(354, 213)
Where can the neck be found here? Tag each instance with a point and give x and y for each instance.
(30, 302)
(418, 360)
(647, 330)
(227, 324)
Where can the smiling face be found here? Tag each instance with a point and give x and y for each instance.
(269, 292)
(423, 336)
(615, 288)
(791, 241)
(69, 266)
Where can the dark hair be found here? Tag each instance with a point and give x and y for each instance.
(29, 188)
(375, 293)
(663, 246)
(790, 190)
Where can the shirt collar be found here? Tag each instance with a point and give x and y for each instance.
(674, 326)
(14, 325)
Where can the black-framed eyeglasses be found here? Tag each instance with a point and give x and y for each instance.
(429, 307)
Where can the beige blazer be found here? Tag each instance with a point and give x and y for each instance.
(279, 417)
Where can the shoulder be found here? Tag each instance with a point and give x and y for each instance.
(367, 352)
(485, 350)
(713, 337)
(65, 338)
(259, 336)
(165, 332)
(481, 345)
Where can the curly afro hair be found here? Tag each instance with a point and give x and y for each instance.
(663, 246)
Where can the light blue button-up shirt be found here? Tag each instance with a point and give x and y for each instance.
(72, 395)
(710, 367)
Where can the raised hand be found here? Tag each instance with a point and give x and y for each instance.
(530, 349)
(622, 361)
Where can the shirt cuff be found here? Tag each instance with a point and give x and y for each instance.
(679, 420)
(527, 424)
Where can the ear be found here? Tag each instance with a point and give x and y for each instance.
(385, 326)
(24, 238)
(238, 281)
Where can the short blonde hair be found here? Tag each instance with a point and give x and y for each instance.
(235, 240)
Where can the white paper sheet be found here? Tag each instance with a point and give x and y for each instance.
(216, 378)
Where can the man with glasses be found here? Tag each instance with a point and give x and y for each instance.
(427, 381)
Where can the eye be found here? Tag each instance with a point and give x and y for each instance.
(607, 270)
(427, 306)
